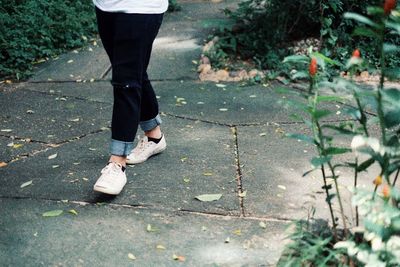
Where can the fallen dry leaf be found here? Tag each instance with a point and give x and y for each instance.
(208, 197)
(15, 146)
(53, 156)
(3, 164)
(243, 194)
(178, 258)
(26, 184)
(161, 247)
(282, 187)
(237, 232)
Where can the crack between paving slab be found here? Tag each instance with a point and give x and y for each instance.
(151, 208)
(239, 175)
(50, 146)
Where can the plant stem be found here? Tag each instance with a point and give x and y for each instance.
(397, 176)
(355, 188)
(363, 118)
(329, 203)
(318, 136)
(322, 153)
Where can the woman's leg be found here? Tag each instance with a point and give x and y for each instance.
(132, 37)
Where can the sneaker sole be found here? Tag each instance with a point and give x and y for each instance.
(106, 191)
(131, 162)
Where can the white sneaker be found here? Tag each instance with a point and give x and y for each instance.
(145, 149)
(112, 179)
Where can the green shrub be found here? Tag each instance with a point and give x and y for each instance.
(35, 29)
(173, 6)
(262, 30)
(32, 30)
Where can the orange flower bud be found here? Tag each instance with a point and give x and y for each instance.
(378, 180)
(356, 53)
(313, 67)
(389, 6)
(386, 191)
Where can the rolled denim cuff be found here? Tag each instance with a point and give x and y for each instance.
(120, 148)
(150, 124)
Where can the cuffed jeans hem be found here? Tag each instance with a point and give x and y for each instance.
(150, 124)
(120, 148)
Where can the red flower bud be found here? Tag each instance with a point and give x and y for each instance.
(389, 6)
(386, 191)
(313, 67)
(356, 53)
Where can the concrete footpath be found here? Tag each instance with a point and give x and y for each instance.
(228, 140)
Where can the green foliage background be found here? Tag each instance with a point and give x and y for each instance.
(262, 30)
(35, 29)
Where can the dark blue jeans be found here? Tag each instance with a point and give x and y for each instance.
(128, 40)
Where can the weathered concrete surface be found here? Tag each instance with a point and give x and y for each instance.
(171, 180)
(103, 235)
(50, 118)
(219, 137)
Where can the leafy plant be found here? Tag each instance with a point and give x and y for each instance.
(378, 243)
(265, 30)
(311, 246)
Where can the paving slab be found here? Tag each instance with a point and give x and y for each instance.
(202, 9)
(13, 149)
(50, 118)
(272, 170)
(87, 63)
(233, 104)
(105, 235)
(99, 91)
(171, 180)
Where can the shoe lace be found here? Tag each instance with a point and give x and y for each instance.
(112, 168)
(143, 145)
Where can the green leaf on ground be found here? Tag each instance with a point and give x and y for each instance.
(208, 197)
(263, 225)
(26, 184)
(150, 228)
(161, 247)
(74, 212)
(131, 256)
(52, 213)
